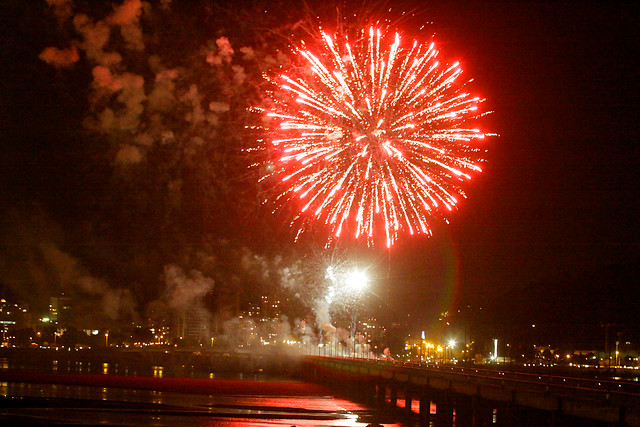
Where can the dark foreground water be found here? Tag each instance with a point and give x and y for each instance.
(51, 404)
(72, 393)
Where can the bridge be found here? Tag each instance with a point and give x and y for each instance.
(472, 396)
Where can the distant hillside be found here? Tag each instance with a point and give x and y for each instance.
(571, 308)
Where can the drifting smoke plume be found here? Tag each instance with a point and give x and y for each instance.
(184, 291)
(273, 333)
(134, 93)
(182, 303)
(163, 135)
(317, 286)
(127, 17)
(323, 318)
(63, 9)
(60, 57)
(165, 138)
(34, 267)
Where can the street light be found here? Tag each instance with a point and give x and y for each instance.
(452, 344)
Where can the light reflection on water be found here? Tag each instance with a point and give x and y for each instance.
(158, 371)
(84, 405)
(115, 368)
(133, 407)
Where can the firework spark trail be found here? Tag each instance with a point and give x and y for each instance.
(372, 136)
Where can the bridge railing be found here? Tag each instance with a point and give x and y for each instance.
(621, 391)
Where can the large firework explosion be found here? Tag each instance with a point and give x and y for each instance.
(371, 135)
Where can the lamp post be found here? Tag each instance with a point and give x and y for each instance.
(347, 284)
(452, 344)
(356, 281)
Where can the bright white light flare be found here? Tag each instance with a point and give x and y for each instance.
(357, 280)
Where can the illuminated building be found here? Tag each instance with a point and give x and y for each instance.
(60, 309)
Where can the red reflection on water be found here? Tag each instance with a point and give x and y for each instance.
(319, 403)
(415, 406)
(400, 403)
(181, 385)
(185, 409)
(235, 422)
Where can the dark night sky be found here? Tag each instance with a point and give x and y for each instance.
(558, 199)
(558, 196)
(560, 193)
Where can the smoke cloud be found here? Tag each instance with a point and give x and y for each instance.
(167, 130)
(60, 57)
(34, 267)
(184, 291)
(181, 302)
(127, 17)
